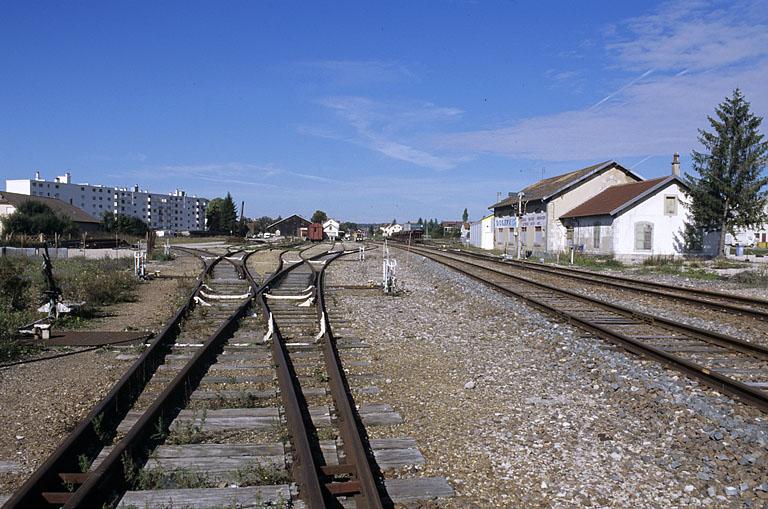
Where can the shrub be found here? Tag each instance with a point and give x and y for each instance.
(97, 282)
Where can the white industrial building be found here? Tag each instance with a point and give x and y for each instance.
(481, 233)
(175, 211)
(631, 221)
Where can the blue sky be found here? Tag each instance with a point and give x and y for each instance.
(367, 111)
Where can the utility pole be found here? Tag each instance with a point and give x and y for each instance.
(519, 218)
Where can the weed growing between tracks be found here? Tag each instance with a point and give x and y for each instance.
(255, 473)
(188, 431)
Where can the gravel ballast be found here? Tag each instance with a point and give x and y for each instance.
(518, 410)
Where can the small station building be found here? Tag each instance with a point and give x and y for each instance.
(631, 221)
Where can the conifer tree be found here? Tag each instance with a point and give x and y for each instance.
(729, 192)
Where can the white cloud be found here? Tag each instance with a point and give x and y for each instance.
(691, 35)
(690, 59)
(381, 126)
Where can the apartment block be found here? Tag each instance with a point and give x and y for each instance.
(174, 211)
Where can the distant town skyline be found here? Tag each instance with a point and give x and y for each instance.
(368, 111)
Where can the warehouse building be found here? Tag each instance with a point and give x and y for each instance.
(175, 211)
(543, 203)
(291, 226)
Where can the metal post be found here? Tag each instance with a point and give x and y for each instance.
(519, 218)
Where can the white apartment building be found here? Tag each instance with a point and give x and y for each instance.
(175, 211)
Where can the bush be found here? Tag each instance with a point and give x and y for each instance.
(97, 282)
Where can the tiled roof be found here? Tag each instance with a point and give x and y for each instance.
(303, 221)
(613, 199)
(548, 187)
(59, 207)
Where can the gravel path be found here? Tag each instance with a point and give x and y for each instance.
(520, 411)
(43, 401)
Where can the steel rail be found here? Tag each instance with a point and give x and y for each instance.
(108, 480)
(358, 453)
(709, 336)
(306, 472)
(44, 486)
(694, 295)
(719, 382)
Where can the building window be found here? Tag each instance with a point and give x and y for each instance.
(596, 236)
(643, 236)
(538, 236)
(670, 205)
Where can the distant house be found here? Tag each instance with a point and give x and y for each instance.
(289, 227)
(331, 229)
(481, 233)
(631, 221)
(451, 226)
(9, 202)
(544, 202)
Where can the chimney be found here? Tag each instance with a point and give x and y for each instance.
(676, 165)
(37, 175)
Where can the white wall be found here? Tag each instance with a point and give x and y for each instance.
(6, 210)
(17, 186)
(667, 230)
(555, 232)
(481, 233)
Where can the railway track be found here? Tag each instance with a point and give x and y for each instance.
(727, 364)
(719, 301)
(202, 417)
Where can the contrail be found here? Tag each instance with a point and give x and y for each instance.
(646, 73)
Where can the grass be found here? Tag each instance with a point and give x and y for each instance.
(254, 474)
(96, 282)
(591, 261)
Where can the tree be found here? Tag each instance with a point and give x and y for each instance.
(120, 223)
(348, 227)
(465, 216)
(221, 216)
(319, 217)
(729, 192)
(229, 222)
(260, 224)
(213, 215)
(34, 217)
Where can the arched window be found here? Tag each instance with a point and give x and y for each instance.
(643, 236)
